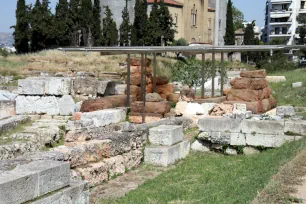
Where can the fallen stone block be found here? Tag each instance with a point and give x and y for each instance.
(250, 151)
(12, 122)
(86, 86)
(262, 127)
(295, 127)
(101, 87)
(208, 124)
(165, 155)
(166, 135)
(237, 139)
(94, 173)
(223, 138)
(264, 140)
(201, 146)
(297, 84)
(149, 117)
(275, 79)
(254, 74)
(77, 192)
(285, 111)
(151, 107)
(105, 117)
(66, 105)
(35, 179)
(7, 108)
(230, 151)
(165, 90)
(15, 149)
(37, 105)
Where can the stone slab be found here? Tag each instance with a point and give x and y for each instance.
(238, 139)
(284, 111)
(264, 140)
(29, 181)
(295, 127)
(12, 122)
(165, 155)
(262, 127)
(105, 117)
(37, 105)
(7, 108)
(66, 105)
(76, 193)
(209, 124)
(166, 135)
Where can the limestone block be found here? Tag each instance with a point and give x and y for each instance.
(262, 127)
(7, 109)
(31, 86)
(7, 96)
(284, 111)
(120, 89)
(57, 86)
(264, 140)
(15, 149)
(101, 87)
(207, 107)
(105, 117)
(87, 86)
(116, 165)
(201, 146)
(184, 149)
(209, 124)
(166, 135)
(194, 109)
(77, 192)
(237, 139)
(239, 107)
(149, 117)
(66, 105)
(295, 127)
(94, 173)
(132, 159)
(275, 79)
(297, 84)
(250, 151)
(32, 180)
(230, 151)
(37, 105)
(216, 137)
(12, 122)
(162, 155)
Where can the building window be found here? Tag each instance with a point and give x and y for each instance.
(277, 30)
(209, 23)
(284, 30)
(284, 7)
(175, 19)
(194, 16)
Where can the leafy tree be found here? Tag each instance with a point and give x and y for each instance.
(179, 42)
(154, 29)
(21, 33)
(238, 18)
(125, 27)
(109, 30)
(37, 38)
(229, 38)
(96, 29)
(86, 21)
(62, 23)
(189, 71)
(166, 23)
(139, 29)
(48, 25)
(249, 34)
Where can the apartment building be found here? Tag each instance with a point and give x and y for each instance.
(281, 20)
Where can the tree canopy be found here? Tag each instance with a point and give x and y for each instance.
(229, 38)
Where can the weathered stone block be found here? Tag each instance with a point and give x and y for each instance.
(216, 137)
(207, 107)
(105, 117)
(76, 193)
(12, 122)
(254, 74)
(264, 140)
(31, 86)
(151, 107)
(262, 127)
(94, 173)
(201, 146)
(116, 165)
(32, 180)
(37, 105)
(149, 117)
(184, 148)
(209, 124)
(7, 109)
(57, 86)
(238, 139)
(101, 87)
(166, 135)
(297, 84)
(87, 86)
(295, 127)
(66, 105)
(285, 111)
(132, 159)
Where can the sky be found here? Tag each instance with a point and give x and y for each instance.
(252, 9)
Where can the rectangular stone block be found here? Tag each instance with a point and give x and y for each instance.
(7, 109)
(37, 105)
(262, 127)
(264, 140)
(238, 139)
(165, 155)
(166, 135)
(12, 122)
(295, 127)
(76, 193)
(31, 86)
(57, 86)
(105, 117)
(209, 124)
(29, 181)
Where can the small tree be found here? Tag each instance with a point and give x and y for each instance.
(229, 38)
(96, 27)
(238, 18)
(109, 31)
(21, 33)
(125, 27)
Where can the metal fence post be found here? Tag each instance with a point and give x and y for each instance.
(143, 87)
(154, 72)
(203, 76)
(213, 74)
(222, 73)
(128, 88)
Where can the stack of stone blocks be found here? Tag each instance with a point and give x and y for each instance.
(40, 182)
(167, 145)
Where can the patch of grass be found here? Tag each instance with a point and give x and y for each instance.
(18, 128)
(283, 91)
(280, 188)
(214, 178)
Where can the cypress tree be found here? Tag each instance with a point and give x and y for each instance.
(249, 35)
(62, 24)
(48, 25)
(125, 27)
(166, 23)
(139, 29)
(21, 33)
(86, 21)
(74, 21)
(109, 30)
(229, 38)
(96, 29)
(154, 29)
(36, 32)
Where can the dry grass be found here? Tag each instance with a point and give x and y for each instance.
(281, 185)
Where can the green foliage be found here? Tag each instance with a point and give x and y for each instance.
(180, 42)
(96, 26)
(139, 29)
(74, 16)
(86, 21)
(238, 18)
(189, 71)
(166, 23)
(154, 29)
(21, 33)
(125, 27)
(109, 31)
(4, 52)
(62, 23)
(229, 38)
(277, 62)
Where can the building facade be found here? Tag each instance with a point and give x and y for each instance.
(281, 20)
(194, 20)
